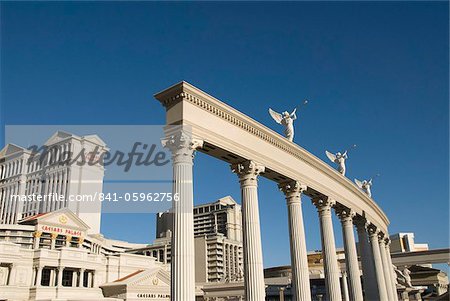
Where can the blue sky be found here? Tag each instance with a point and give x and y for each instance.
(376, 74)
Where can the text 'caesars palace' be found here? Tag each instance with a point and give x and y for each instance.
(52, 249)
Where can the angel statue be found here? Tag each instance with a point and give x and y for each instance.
(365, 186)
(339, 159)
(287, 120)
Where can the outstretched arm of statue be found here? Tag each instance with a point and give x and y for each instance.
(293, 114)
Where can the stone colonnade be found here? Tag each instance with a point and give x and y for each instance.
(65, 240)
(377, 271)
(60, 276)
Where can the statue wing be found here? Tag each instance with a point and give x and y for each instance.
(359, 183)
(276, 116)
(331, 156)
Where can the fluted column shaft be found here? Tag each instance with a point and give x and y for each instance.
(378, 262)
(391, 269)
(183, 254)
(248, 172)
(345, 288)
(386, 268)
(330, 263)
(369, 278)
(299, 257)
(351, 256)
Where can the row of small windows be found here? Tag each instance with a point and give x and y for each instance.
(206, 209)
(57, 153)
(54, 154)
(11, 169)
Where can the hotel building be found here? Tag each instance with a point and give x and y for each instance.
(51, 256)
(25, 172)
(218, 241)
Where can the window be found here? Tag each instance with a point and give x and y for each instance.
(45, 280)
(67, 278)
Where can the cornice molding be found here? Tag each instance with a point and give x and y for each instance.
(184, 91)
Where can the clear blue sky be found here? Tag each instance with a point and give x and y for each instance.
(376, 74)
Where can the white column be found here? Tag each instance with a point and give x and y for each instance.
(330, 262)
(64, 188)
(229, 262)
(165, 254)
(55, 191)
(74, 278)
(282, 293)
(33, 277)
(53, 237)
(12, 274)
(182, 275)
(43, 205)
(88, 279)
(39, 276)
(351, 256)
(60, 276)
(299, 259)
(391, 268)
(253, 260)
(81, 278)
(345, 293)
(386, 267)
(369, 279)
(68, 240)
(94, 279)
(37, 239)
(379, 273)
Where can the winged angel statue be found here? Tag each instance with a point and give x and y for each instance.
(287, 120)
(339, 159)
(365, 186)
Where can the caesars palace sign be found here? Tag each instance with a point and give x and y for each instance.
(60, 230)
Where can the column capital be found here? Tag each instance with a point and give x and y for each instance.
(37, 234)
(182, 145)
(387, 241)
(80, 240)
(323, 203)
(344, 213)
(360, 222)
(54, 235)
(292, 190)
(372, 230)
(381, 236)
(247, 172)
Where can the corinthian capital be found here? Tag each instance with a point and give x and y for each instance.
(247, 172)
(183, 146)
(360, 222)
(372, 230)
(344, 213)
(323, 203)
(292, 190)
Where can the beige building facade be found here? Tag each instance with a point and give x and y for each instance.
(218, 241)
(42, 173)
(53, 257)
